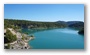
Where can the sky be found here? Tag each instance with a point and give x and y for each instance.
(44, 12)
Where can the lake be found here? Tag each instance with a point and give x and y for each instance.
(62, 38)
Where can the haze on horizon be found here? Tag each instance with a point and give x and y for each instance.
(44, 12)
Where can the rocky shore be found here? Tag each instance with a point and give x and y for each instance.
(21, 42)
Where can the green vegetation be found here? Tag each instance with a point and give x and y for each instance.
(9, 37)
(8, 46)
(10, 23)
(78, 26)
(81, 31)
(23, 38)
(26, 33)
(32, 36)
(22, 24)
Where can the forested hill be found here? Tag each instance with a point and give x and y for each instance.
(79, 25)
(73, 24)
(11, 23)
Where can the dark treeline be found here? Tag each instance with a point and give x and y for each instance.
(81, 31)
(31, 24)
(79, 25)
(73, 24)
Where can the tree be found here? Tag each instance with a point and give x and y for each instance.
(9, 37)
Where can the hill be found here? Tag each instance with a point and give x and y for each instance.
(73, 24)
(78, 25)
(11, 23)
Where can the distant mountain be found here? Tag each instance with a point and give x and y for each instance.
(78, 25)
(62, 22)
(73, 24)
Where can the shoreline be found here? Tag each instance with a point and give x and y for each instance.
(21, 42)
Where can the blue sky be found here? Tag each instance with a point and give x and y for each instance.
(45, 12)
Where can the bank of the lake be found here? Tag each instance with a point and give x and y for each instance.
(64, 38)
(16, 40)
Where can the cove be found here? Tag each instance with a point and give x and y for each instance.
(61, 38)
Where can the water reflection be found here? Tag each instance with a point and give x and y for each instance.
(31, 31)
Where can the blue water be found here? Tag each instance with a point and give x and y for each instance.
(57, 39)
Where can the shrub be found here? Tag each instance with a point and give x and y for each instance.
(9, 37)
